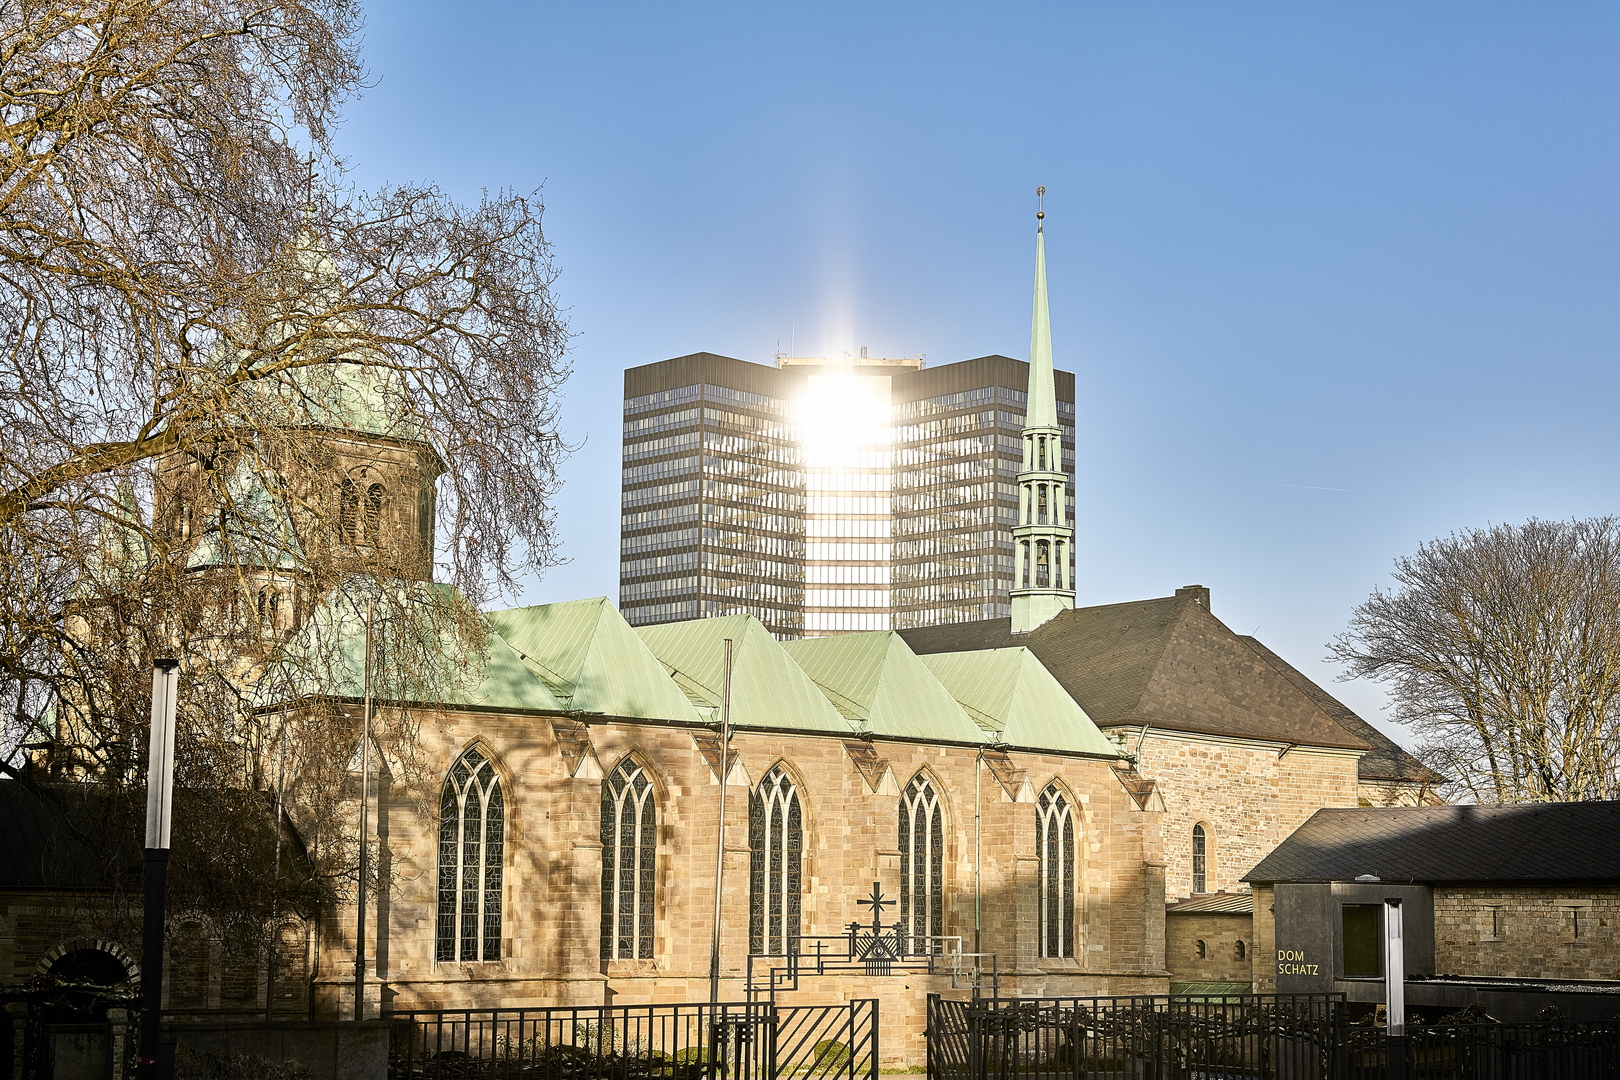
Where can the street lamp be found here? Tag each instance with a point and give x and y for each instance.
(159, 801)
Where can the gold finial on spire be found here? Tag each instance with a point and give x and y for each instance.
(1040, 196)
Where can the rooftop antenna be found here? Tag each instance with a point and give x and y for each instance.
(1040, 209)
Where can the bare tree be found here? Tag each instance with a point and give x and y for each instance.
(1501, 647)
(241, 404)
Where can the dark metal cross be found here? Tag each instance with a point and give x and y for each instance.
(877, 904)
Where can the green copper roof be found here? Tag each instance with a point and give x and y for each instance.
(586, 653)
(876, 680)
(1010, 693)
(1042, 390)
(768, 690)
(497, 680)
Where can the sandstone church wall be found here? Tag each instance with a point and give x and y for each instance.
(1248, 796)
(550, 952)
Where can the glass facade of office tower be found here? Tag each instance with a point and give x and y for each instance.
(823, 497)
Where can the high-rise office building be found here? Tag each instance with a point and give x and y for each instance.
(832, 495)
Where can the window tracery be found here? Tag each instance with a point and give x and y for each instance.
(776, 864)
(472, 842)
(629, 863)
(1200, 860)
(922, 865)
(1055, 821)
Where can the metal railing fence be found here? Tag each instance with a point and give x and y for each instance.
(1253, 1036)
(1538, 1050)
(729, 1041)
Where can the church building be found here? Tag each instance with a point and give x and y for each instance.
(1017, 798)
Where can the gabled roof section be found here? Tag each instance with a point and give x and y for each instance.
(1010, 694)
(1528, 843)
(768, 690)
(497, 680)
(1167, 663)
(593, 661)
(875, 680)
(1386, 760)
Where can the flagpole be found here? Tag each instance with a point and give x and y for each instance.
(720, 833)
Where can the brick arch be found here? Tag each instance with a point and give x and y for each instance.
(112, 948)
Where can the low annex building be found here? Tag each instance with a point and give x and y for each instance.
(570, 856)
(1511, 908)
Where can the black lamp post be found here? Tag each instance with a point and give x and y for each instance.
(1395, 988)
(156, 1064)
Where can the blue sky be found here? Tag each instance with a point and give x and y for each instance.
(1333, 279)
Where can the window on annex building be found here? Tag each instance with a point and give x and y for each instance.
(1055, 837)
(922, 865)
(1200, 860)
(629, 863)
(1361, 953)
(776, 862)
(472, 847)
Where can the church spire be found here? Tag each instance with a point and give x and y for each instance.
(1043, 538)
(1042, 393)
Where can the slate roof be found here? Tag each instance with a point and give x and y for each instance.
(1167, 663)
(1218, 903)
(1386, 760)
(1530, 843)
(40, 849)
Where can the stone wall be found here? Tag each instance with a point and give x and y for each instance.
(1264, 945)
(1549, 933)
(37, 927)
(1248, 796)
(553, 857)
(1221, 934)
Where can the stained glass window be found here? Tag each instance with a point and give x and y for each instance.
(1055, 826)
(922, 866)
(629, 863)
(472, 849)
(1200, 843)
(776, 864)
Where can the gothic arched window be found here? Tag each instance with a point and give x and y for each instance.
(472, 844)
(922, 865)
(776, 862)
(376, 495)
(1200, 859)
(629, 863)
(1055, 827)
(348, 512)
